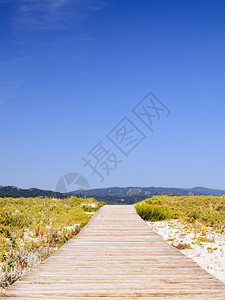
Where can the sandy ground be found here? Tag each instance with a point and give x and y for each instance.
(203, 244)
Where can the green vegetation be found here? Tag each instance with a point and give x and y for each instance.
(32, 228)
(153, 212)
(207, 210)
(211, 249)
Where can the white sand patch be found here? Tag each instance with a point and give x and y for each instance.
(93, 205)
(206, 246)
(72, 227)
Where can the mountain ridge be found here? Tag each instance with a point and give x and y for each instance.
(111, 195)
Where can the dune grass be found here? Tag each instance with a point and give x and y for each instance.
(208, 210)
(32, 228)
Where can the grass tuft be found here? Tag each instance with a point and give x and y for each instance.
(33, 228)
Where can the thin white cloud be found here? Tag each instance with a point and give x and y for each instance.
(53, 14)
(41, 15)
(8, 90)
(11, 79)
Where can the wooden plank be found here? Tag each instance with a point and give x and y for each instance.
(117, 256)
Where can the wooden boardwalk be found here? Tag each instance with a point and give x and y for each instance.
(117, 256)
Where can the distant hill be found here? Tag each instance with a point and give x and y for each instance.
(13, 191)
(130, 195)
(112, 195)
(205, 191)
(131, 191)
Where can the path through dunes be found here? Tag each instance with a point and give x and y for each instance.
(117, 256)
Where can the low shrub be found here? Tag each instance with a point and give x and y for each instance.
(205, 210)
(153, 212)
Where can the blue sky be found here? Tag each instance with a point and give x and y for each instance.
(71, 70)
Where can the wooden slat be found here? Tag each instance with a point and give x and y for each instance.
(117, 256)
